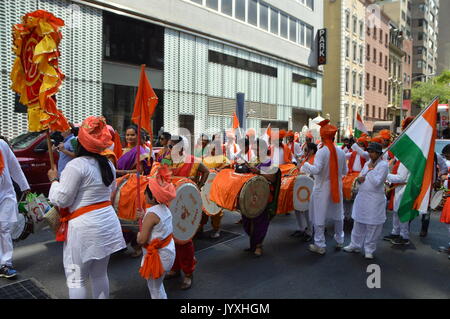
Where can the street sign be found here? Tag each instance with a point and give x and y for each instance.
(322, 52)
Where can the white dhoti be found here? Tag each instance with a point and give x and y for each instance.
(365, 235)
(6, 244)
(319, 234)
(303, 221)
(399, 228)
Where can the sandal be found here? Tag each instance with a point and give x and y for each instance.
(258, 251)
(187, 282)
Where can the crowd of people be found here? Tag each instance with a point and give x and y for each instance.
(92, 160)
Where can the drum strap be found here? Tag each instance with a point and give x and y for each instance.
(61, 234)
(152, 265)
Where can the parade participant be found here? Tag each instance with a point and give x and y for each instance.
(156, 233)
(10, 172)
(445, 214)
(230, 148)
(201, 149)
(164, 153)
(347, 146)
(126, 164)
(303, 218)
(293, 146)
(399, 177)
(185, 165)
(385, 136)
(308, 139)
(326, 199)
(369, 209)
(256, 228)
(89, 227)
(280, 152)
(359, 147)
(65, 149)
(246, 155)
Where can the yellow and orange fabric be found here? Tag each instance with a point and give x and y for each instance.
(35, 75)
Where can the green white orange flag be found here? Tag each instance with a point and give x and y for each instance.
(359, 126)
(414, 148)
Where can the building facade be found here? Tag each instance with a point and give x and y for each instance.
(344, 74)
(444, 39)
(194, 60)
(376, 67)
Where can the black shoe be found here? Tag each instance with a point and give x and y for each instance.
(298, 234)
(400, 241)
(307, 238)
(391, 237)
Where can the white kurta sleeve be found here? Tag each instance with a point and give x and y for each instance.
(348, 155)
(361, 152)
(316, 168)
(400, 177)
(378, 175)
(443, 169)
(64, 192)
(14, 169)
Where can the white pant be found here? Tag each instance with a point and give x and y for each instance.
(77, 275)
(156, 288)
(348, 207)
(6, 244)
(399, 228)
(319, 233)
(303, 221)
(366, 235)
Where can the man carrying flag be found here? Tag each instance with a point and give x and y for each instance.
(414, 148)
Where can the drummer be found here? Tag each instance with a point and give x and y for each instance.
(280, 152)
(185, 165)
(308, 139)
(256, 228)
(303, 219)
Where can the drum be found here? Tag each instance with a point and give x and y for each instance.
(438, 200)
(289, 169)
(303, 188)
(210, 207)
(186, 209)
(286, 198)
(254, 196)
(347, 186)
(23, 227)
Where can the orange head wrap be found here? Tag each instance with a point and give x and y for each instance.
(251, 132)
(377, 139)
(94, 134)
(161, 186)
(364, 139)
(327, 133)
(406, 122)
(290, 133)
(282, 134)
(385, 134)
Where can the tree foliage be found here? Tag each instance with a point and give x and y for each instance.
(423, 92)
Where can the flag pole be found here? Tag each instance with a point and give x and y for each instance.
(50, 150)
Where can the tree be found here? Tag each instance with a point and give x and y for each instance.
(423, 92)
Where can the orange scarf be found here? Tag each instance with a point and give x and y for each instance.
(334, 180)
(352, 161)
(287, 154)
(310, 160)
(61, 234)
(391, 199)
(2, 163)
(152, 266)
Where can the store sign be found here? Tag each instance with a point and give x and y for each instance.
(443, 115)
(322, 52)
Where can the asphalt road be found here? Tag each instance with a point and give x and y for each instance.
(286, 270)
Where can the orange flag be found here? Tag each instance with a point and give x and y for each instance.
(145, 103)
(235, 121)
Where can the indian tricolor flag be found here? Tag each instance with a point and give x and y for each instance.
(359, 126)
(414, 148)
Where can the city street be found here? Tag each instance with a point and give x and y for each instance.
(286, 270)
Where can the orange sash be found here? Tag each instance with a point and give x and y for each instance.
(2, 163)
(391, 198)
(61, 234)
(351, 161)
(334, 182)
(152, 266)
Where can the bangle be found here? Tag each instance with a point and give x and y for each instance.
(56, 179)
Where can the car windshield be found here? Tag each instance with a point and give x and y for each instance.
(23, 141)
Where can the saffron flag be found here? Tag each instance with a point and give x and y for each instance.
(145, 103)
(414, 148)
(359, 126)
(235, 121)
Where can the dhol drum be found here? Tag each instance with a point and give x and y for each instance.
(24, 225)
(289, 169)
(303, 189)
(209, 206)
(438, 200)
(186, 209)
(286, 196)
(347, 186)
(254, 197)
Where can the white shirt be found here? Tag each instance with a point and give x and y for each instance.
(96, 234)
(8, 201)
(230, 153)
(357, 163)
(401, 177)
(370, 202)
(161, 231)
(277, 156)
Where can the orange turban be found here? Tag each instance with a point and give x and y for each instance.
(385, 134)
(94, 134)
(364, 139)
(377, 139)
(406, 122)
(161, 186)
(251, 132)
(327, 133)
(282, 134)
(290, 133)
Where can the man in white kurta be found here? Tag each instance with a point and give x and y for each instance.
(369, 208)
(321, 205)
(8, 206)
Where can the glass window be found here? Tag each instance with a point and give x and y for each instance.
(227, 7)
(360, 85)
(361, 29)
(263, 17)
(198, 1)
(310, 4)
(309, 36)
(346, 80)
(347, 20)
(293, 30)
(239, 12)
(284, 26)
(354, 83)
(301, 36)
(213, 4)
(347, 48)
(273, 21)
(253, 12)
(355, 56)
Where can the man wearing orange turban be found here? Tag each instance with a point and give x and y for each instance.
(385, 136)
(293, 146)
(280, 152)
(326, 199)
